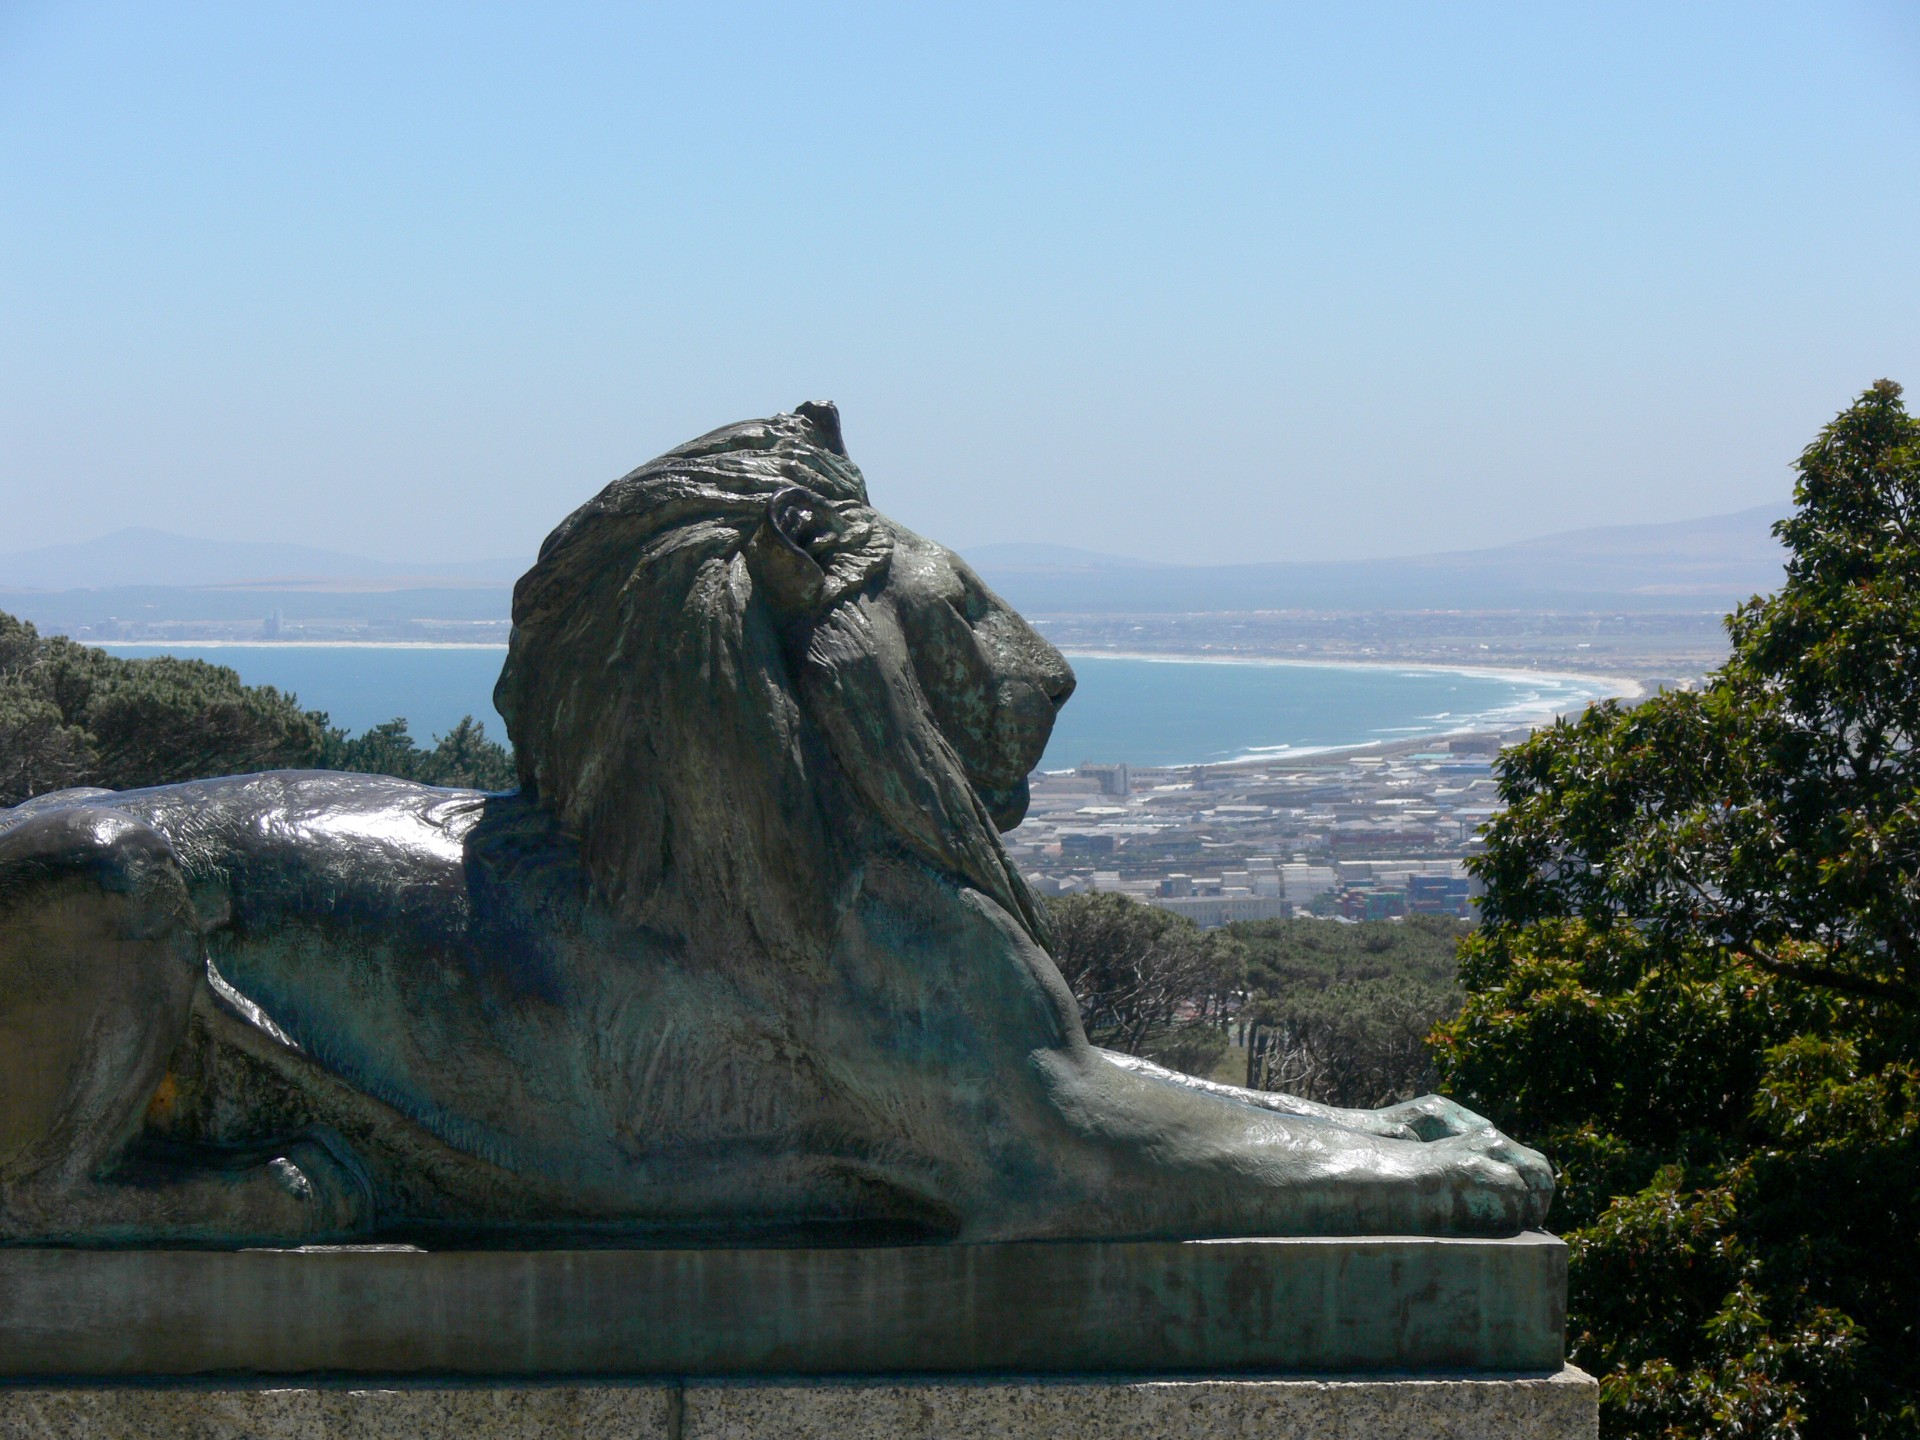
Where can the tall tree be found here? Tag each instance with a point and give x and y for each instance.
(1698, 988)
(465, 756)
(1341, 1013)
(1149, 982)
(152, 722)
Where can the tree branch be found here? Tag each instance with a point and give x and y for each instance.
(1864, 986)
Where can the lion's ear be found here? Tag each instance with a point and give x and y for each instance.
(806, 553)
(825, 418)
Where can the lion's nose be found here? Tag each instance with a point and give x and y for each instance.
(1060, 685)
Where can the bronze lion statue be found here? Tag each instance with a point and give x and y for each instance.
(742, 960)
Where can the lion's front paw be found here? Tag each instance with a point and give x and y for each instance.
(1507, 1184)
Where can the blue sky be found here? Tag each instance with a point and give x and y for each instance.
(1198, 282)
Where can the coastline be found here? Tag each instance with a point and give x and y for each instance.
(170, 645)
(1614, 686)
(1622, 687)
(1587, 688)
(1531, 716)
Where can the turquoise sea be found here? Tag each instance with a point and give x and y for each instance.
(1142, 711)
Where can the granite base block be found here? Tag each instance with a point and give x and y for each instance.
(1561, 1406)
(342, 1413)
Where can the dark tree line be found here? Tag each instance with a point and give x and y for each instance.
(1326, 1010)
(73, 715)
(464, 756)
(1149, 982)
(1344, 1013)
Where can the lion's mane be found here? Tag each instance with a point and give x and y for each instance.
(664, 704)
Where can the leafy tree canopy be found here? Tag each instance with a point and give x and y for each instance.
(73, 715)
(1334, 1011)
(1341, 1013)
(1285, 956)
(462, 757)
(1697, 987)
(1149, 982)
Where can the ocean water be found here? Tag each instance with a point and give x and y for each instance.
(1192, 712)
(1142, 711)
(431, 686)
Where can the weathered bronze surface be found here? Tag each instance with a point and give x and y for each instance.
(1036, 1308)
(743, 960)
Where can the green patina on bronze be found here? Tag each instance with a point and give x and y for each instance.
(742, 960)
(1086, 1307)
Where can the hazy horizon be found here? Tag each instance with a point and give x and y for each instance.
(1237, 285)
(1004, 550)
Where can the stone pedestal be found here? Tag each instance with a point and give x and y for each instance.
(1341, 1339)
(1553, 1407)
(1076, 1307)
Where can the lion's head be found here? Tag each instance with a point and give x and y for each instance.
(731, 678)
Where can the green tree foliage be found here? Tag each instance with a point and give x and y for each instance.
(1149, 982)
(1341, 1013)
(462, 757)
(1697, 987)
(1333, 1011)
(73, 715)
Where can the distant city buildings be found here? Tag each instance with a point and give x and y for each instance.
(1371, 835)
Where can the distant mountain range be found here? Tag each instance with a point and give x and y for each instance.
(1019, 558)
(1710, 563)
(1691, 564)
(141, 557)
